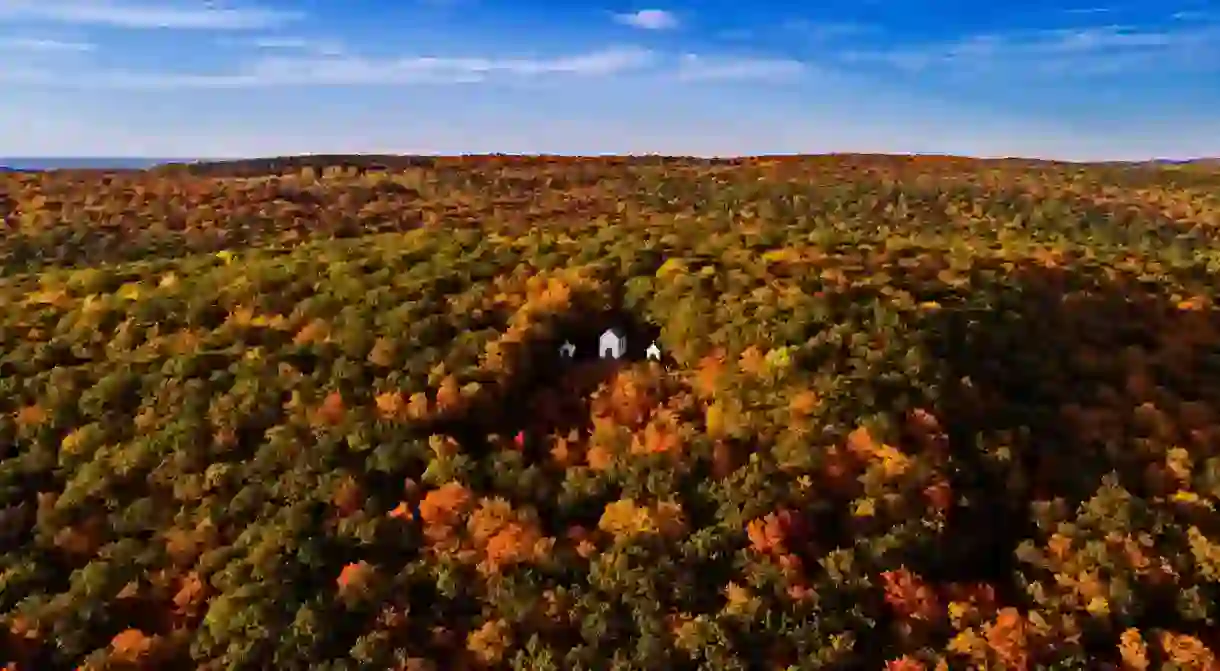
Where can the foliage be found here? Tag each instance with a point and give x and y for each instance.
(915, 414)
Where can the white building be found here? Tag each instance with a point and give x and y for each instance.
(612, 344)
(653, 352)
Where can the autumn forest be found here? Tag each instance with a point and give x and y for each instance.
(915, 414)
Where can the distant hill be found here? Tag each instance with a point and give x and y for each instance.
(36, 164)
(391, 162)
(249, 167)
(1206, 161)
(254, 167)
(244, 167)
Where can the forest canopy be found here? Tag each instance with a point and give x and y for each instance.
(914, 413)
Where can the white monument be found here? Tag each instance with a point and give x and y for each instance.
(567, 350)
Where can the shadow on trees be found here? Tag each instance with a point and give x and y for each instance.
(545, 394)
(1039, 385)
(541, 369)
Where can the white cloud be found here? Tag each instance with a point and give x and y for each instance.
(692, 67)
(346, 71)
(144, 14)
(36, 45)
(356, 70)
(649, 19)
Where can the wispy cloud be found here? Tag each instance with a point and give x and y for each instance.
(24, 44)
(321, 47)
(649, 19)
(281, 43)
(1060, 52)
(144, 14)
(692, 67)
(347, 71)
(1194, 15)
(827, 30)
(322, 71)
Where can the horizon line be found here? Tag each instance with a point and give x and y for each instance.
(161, 161)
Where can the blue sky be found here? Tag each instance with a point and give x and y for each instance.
(193, 78)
